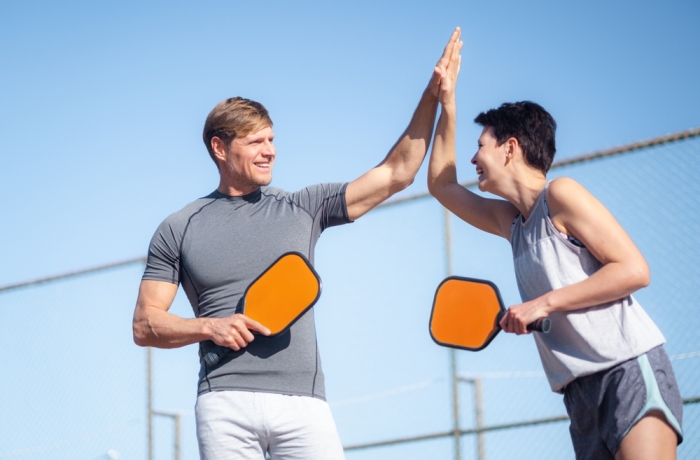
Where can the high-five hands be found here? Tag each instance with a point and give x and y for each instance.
(442, 83)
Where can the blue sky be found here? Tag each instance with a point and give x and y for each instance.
(103, 103)
(100, 139)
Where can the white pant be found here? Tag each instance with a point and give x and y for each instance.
(245, 425)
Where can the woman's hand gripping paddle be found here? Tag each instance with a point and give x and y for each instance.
(278, 297)
(466, 313)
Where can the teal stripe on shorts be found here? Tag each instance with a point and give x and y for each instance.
(654, 399)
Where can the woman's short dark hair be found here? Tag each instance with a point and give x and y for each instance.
(530, 124)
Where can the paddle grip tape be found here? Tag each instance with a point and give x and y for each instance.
(214, 355)
(541, 325)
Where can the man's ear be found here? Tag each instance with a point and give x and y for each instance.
(218, 146)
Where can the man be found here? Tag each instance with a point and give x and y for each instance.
(266, 395)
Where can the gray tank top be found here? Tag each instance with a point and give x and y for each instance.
(583, 341)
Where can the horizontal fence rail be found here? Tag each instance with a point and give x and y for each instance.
(470, 431)
(73, 274)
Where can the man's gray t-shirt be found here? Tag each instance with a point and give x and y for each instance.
(217, 245)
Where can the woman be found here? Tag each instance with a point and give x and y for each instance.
(574, 264)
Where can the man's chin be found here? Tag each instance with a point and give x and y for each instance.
(259, 181)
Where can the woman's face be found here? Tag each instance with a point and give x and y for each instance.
(489, 159)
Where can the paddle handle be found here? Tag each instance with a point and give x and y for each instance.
(540, 325)
(213, 356)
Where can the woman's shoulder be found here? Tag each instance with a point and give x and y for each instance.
(564, 191)
(563, 185)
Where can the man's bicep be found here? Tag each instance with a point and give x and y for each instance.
(158, 294)
(154, 300)
(368, 191)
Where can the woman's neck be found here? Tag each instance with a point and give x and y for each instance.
(524, 189)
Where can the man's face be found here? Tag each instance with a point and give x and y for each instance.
(249, 159)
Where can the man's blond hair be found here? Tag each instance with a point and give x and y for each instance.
(234, 117)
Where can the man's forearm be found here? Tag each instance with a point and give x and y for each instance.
(154, 327)
(407, 155)
(398, 169)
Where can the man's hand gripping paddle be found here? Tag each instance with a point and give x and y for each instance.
(278, 297)
(466, 314)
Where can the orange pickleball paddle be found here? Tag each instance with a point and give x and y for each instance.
(277, 298)
(466, 313)
(282, 293)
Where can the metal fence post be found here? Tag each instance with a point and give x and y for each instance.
(479, 409)
(453, 354)
(176, 417)
(478, 416)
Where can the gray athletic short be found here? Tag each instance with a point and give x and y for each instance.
(604, 406)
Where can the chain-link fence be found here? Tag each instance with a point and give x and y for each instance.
(74, 386)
